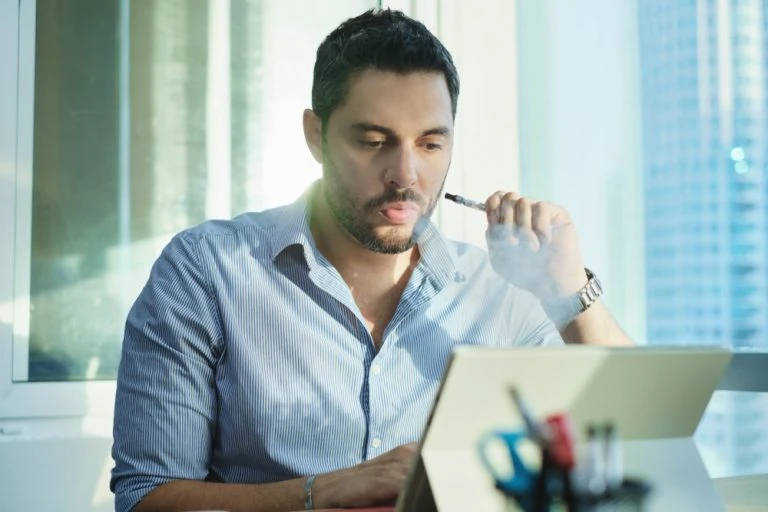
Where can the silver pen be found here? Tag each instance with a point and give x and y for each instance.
(465, 202)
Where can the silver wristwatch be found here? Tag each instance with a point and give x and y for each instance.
(562, 311)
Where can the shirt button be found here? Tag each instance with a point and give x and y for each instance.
(375, 369)
(376, 443)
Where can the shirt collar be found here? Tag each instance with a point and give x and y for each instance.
(292, 227)
(438, 256)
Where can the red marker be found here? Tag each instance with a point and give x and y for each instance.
(561, 440)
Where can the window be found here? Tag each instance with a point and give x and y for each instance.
(121, 123)
(630, 106)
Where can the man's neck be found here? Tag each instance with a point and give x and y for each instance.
(376, 280)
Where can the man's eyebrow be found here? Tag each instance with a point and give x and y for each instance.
(438, 130)
(371, 127)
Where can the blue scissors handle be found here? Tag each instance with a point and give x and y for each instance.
(522, 480)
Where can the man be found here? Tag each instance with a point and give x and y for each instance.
(288, 359)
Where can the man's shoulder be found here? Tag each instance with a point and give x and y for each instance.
(249, 234)
(249, 225)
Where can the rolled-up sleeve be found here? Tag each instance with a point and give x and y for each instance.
(165, 406)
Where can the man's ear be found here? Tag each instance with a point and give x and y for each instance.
(313, 134)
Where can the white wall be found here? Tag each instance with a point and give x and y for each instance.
(67, 474)
(580, 135)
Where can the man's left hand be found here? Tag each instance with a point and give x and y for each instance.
(534, 245)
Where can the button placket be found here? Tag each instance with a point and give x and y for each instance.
(378, 404)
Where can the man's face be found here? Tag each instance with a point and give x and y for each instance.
(385, 156)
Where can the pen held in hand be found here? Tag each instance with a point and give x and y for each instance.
(465, 202)
(508, 234)
(499, 232)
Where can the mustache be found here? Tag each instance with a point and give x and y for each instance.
(395, 196)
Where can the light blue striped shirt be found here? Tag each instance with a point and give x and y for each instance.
(245, 358)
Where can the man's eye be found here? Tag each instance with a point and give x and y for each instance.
(432, 146)
(372, 144)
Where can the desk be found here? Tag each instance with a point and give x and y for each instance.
(739, 494)
(744, 493)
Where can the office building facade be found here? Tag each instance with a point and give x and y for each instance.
(703, 86)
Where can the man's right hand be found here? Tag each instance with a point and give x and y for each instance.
(374, 482)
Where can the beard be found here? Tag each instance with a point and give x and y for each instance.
(351, 215)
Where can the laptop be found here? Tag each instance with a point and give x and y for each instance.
(654, 395)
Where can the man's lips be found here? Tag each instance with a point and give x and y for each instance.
(400, 213)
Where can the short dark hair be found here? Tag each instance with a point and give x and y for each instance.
(382, 39)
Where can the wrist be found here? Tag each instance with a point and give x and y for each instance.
(324, 493)
(565, 307)
(570, 286)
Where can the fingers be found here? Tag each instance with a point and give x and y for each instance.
(372, 483)
(525, 219)
(393, 469)
(492, 207)
(542, 222)
(402, 456)
(405, 453)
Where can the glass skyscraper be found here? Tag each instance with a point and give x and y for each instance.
(704, 79)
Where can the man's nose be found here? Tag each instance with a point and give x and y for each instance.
(401, 171)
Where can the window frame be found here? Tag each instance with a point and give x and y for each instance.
(19, 398)
(9, 17)
(19, 59)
